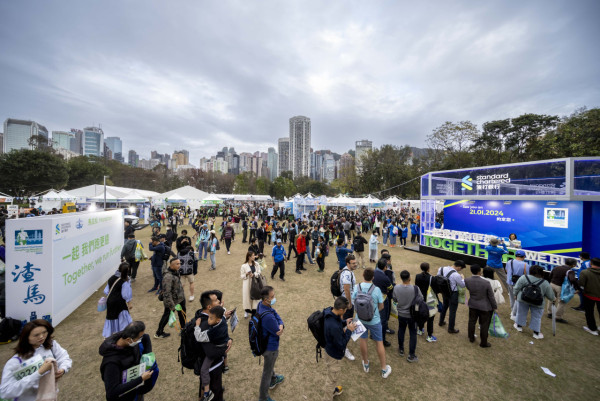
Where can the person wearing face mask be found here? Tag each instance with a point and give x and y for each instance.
(121, 351)
(272, 329)
(35, 347)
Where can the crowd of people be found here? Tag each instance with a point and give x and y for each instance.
(362, 307)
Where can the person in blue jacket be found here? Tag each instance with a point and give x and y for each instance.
(393, 233)
(341, 252)
(337, 333)
(494, 259)
(272, 329)
(278, 255)
(403, 234)
(414, 232)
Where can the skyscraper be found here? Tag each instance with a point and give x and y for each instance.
(272, 163)
(362, 147)
(115, 145)
(62, 139)
(182, 157)
(93, 141)
(133, 158)
(77, 141)
(17, 134)
(284, 155)
(300, 146)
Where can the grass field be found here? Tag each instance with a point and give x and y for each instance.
(452, 368)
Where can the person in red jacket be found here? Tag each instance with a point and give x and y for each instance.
(301, 249)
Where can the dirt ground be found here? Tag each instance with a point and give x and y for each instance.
(452, 368)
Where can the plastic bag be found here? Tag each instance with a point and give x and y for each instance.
(461, 294)
(148, 359)
(394, 309)
(496, 327)
(172, 319)
(102, 304)
(567, 291)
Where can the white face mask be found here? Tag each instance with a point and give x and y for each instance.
(134, 343)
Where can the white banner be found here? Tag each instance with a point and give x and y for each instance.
(54, 263)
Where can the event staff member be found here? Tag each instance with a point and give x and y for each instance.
(495, 258)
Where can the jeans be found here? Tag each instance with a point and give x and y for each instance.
(385, 237)
(213, 260)
(228, 243)
(244, 235)
(133, 268)
(484, 317)
(165, 318)
(202, 246)
(452, 304)
(157, 270)
(536, 315)
(589, 305)
(261, 246)
(511, 296)
(268, 374)
(412, 332)
(310, 260)
(281, 266)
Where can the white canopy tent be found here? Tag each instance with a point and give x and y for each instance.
(189, 195)
(211, 200)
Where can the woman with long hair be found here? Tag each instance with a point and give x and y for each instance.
(119, 296)
(35, 354)
(248, 270)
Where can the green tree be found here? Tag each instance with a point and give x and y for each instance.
(385, 168)
(84, 171)
(451, 143)
(577, 135)
(282, 187)
(287, 174)
(526, 132)
(245, 183)
(263, 186)
(25, 172)
(489, 147)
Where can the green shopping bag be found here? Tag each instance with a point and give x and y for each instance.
(496, 327)
(462, 291)
(172, 319)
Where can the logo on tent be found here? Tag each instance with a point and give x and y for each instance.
(467, 183)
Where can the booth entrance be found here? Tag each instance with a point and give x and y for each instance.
(552, 207)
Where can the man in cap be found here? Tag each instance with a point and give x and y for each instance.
(203, 237)
(515, 268)
(278, 255)
(495, 258)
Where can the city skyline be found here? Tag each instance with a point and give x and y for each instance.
(386, 72)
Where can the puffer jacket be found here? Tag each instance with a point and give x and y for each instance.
(172, 289)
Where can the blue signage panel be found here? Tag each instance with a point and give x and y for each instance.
(587, 177)
(516, 180)
(553, 227)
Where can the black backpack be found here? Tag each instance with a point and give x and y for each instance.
(316, 324)
(189, 352)
(258, 342)
(532, 293)
(441, 284)
(187, 263)
(335, 283)
(419, 311)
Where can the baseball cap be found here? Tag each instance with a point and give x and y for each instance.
(494, 241)
(520, 253)
(279, 241)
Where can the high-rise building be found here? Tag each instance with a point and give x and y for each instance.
(115, 145)
(134, 158)
(18, 134)
(272, 162)
(77, 141)
(1, 141)
(182, 157)
(62, 139)
(362, 147)
(328, 168)
(300, 146)
(284, 155)
(346, 164)
(93, 141)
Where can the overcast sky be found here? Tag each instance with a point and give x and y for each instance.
(200, 75)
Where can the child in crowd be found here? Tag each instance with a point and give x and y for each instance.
(215, 348)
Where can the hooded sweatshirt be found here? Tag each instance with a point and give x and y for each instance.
(589, 279)
(335, 337)
(115, 360)
(128, 250)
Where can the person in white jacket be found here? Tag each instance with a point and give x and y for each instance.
(35, 353)
(373, 242)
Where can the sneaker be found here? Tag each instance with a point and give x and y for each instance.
(298, 271)
(431, 339)
(225, 369)
(385, 373)
(390, 331)
(338, 390)
(349, 355)
(419, 332)
(412, 358)
(578, 308)
(212, 268)
(401, 351)
(245, 315)
(282, 279)
(517, 327)
(163, 335)
(192, 298)
(592, 332)
(278, 379)
(366, 366)
(152, 289)
(538, 336)
(208, 396)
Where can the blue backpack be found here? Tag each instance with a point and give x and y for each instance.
(258, 342)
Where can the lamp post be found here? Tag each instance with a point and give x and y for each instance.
(105, 192)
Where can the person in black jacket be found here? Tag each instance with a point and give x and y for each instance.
(261, 236)
(120, 352)
(156, 261)
(423, 281)
(183, 241)
(292, 236)
(359, 249)
(337, 334)
(384, 283)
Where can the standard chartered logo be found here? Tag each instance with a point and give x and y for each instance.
(467, 183)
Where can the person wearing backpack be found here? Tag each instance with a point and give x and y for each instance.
(381, 280)
(423, 281)
(359, 247)
(156, 261)
(368, 301)
(189, 267)
(404, 295)
(128, 255)
(347, 281)
(455, 280)
(337, 332)
(515, 268)
(530, 290)
(342, 253)
(272, 328)
(213, 244)
(482, 305)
